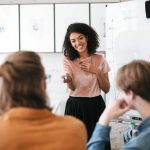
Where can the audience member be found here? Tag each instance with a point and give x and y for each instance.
(133, 80)
(26, 122)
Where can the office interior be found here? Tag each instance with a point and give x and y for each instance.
(123, 27)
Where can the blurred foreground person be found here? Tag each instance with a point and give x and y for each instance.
(26, 122)
(133, 81)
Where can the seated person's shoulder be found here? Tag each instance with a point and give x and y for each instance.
(72, 125)
(72, 121)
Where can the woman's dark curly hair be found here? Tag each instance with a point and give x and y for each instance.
(86, 30)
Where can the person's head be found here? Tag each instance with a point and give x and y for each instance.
(22, 81)
(135, 77)
(76, 33)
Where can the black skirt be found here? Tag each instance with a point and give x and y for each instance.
(86, 109)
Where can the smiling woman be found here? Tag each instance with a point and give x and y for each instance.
(79, 42)
(87, 74)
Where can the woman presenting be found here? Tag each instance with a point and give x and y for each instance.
(86, 74)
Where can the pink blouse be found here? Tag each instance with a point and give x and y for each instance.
(86, 83)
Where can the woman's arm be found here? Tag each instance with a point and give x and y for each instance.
(67, 79)
(103, 80)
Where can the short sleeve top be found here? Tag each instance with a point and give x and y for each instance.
(86, 83)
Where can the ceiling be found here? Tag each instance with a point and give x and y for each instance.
(57, 1)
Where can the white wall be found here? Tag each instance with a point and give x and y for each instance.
(56, 89)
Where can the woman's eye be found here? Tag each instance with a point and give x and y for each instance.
(81, 38)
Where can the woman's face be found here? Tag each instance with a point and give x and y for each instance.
(79, 42)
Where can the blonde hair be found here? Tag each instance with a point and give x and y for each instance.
(20, 81)
(135, 76)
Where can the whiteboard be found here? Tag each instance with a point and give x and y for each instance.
(127, 39)
(65, 14)
(37, 27)
(9, 28)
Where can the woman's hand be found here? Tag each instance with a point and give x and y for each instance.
(114, 110)
(103, 79)
(66, 78)
(88, 67)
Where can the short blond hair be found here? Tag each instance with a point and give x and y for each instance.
(135, 76)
